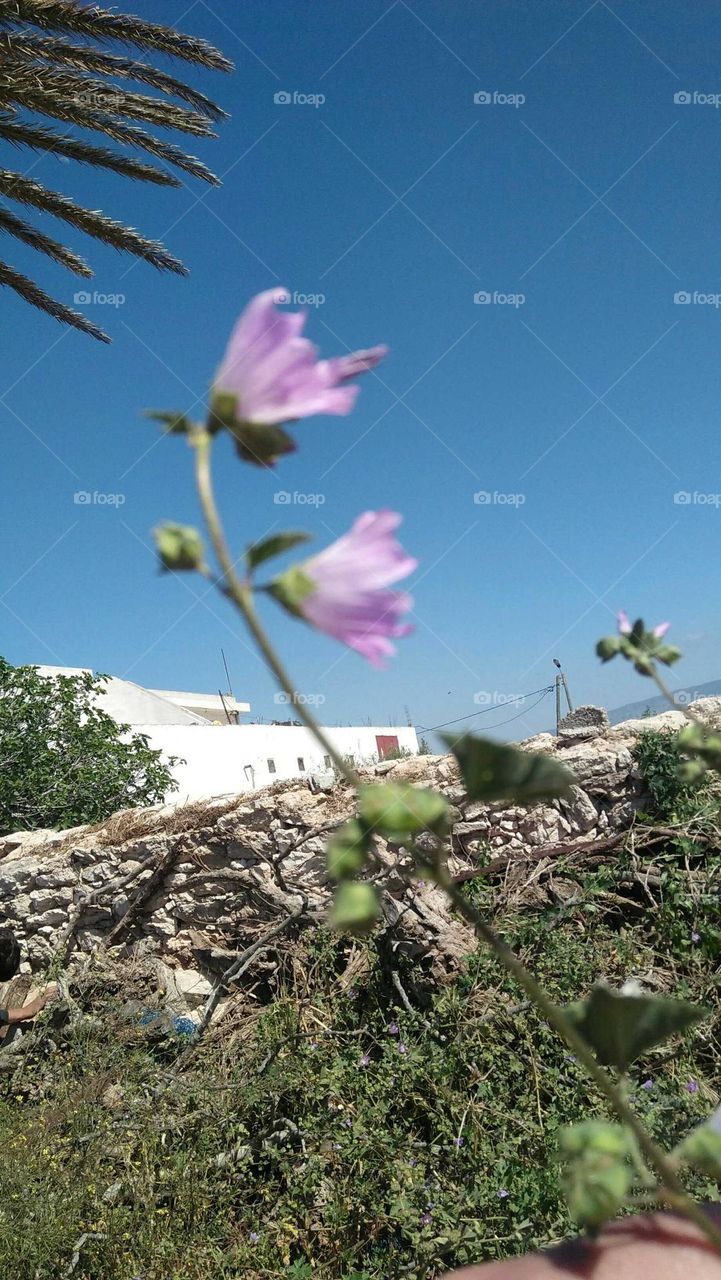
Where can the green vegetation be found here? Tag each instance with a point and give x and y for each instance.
(334, 1134)
(65, 761)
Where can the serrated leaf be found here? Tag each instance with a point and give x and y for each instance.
(494, 771)
(272, 546)
(620, 1027)
(397, 810)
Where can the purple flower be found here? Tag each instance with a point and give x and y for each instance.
(695, 937)
(692, 1086)
(402, 1048)
(393, 1029)
(625, 628)
(365, 1060)
(253, 1237)
(502, 1193)
(343, 590)
(274, 373)
(458, 1142)
(647, 1084)
(426, 1218)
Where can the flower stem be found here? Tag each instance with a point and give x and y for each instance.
(671, 1189)
(242, 596)
(677, 706)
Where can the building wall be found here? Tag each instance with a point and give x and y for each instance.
(224, 759)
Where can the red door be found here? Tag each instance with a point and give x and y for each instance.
(387, 744)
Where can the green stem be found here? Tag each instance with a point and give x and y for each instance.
(677, 706)
(672, 1189)
(242, 595)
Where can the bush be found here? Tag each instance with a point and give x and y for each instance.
(63, 760)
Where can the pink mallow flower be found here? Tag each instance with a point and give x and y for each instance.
(274, 373)
(344, 590)
(625, 628)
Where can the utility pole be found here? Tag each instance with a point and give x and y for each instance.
(561, 681)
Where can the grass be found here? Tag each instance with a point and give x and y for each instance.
(339, 1135)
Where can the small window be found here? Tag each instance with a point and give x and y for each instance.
(301, 764)
(271, 766)
(326, 761)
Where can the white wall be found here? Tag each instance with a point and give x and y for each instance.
(224, 759)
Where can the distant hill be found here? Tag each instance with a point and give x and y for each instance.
(634, 710)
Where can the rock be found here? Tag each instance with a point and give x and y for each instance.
(584, 722)
(187, 987)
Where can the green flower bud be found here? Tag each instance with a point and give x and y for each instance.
(398, 810)
(608, 647)
(596, 1189)
(180, 547)
(356, 907)
(598, 1137)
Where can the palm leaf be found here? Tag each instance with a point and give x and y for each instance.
(44, 244)
(31, 292)
(101, 24)
(54, 63)
(40, 138)
(62, 53)
(27, 191)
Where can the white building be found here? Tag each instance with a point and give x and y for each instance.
(219, 757)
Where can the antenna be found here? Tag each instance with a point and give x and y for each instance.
(407, 710)
(227, 673)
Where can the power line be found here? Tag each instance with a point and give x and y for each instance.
(546, 689)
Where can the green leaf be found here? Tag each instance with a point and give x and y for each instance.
(620, 1027)
(347, 850)
(599, 1136)
(492, 771)
(176, 424)
(355, 907)
(397, 810)
(275, 545)
(261, 445)
(180, 547)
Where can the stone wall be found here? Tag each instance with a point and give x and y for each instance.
(213, 878)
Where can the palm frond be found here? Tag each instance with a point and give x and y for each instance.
(54, 63)
(44, 244)
(100, 24)
(15, 186)
(37, 297)
(85, 58)
(73, 112)
(40, 138)
(16, 74)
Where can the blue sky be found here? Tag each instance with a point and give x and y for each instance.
(398, 199)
